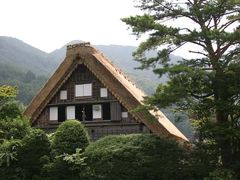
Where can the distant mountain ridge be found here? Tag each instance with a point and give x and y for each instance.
(20, 55)
(16, 53)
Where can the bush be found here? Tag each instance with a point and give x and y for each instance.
(10, 110)
(16, 128)
(8, 159)
(69, 136)
(35, 148)
(220, 174)
(56, 169)
(133, 157)
(64, 167)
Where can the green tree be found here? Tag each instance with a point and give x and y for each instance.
(29, 77)
(8, 159)
(134, 156)
(69, 136)
(16, 128)
(10, 110)
(65, 166)
(206, 87)
(35, 146)
(68, 142)
(7, 93)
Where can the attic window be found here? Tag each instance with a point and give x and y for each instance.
(103, 92)
(124, 114)
(83, 90)
(53, 113)
(63, 95)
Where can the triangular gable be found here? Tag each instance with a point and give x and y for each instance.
(112, 78)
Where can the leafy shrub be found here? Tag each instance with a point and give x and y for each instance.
(7, 93)
(56, 169)
(69, 136)
(35, 148)
(8, 159)
(66, 166)
(10, 110)
(133, 157)
(16, 128)
(220, 174)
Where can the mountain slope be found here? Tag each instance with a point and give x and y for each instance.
(21, 56)
(25, 57)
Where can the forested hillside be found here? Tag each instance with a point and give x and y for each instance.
(24, 57)
(26, 81)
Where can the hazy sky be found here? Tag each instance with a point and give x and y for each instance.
(49, 24)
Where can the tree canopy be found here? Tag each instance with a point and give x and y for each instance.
(7, 93)
(70, 135)
(135, 156)
(206, 87)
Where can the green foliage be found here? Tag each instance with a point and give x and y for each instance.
(35, 146)
(27, 83)
(65, 166)
(6, 93)
(16, 128)
(207, 87)
(57, 169)
(10, 110)
(69, 136)
(221, 174)
(76, 160)
(8, 152)
(8, 159)
(133, 157)
(29, 77)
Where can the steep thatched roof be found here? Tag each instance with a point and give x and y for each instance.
(117, 83)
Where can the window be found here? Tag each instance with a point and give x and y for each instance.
(79, 90)
(124, 114)
(83, 90)
(53, 114)
(70, 112)
(87, 90)
(103, 92)
(97, 111)
(63, 95)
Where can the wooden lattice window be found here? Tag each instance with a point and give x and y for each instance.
(82, 90)
(53, 113)
(70, 112)
(63, 94)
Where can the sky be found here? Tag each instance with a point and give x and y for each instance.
(50, 24)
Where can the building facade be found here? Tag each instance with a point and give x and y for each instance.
(89, 88)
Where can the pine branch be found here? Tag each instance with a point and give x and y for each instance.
(200, 97)
(198, 52)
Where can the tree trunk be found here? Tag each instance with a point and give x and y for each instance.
(223, 140)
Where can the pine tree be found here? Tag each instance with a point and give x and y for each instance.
(207, 87)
